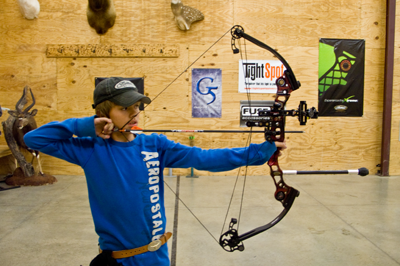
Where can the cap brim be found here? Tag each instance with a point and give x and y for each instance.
(129, 98)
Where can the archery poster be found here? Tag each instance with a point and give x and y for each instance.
(206, 92)
(249, 111)
(259, 76)
(341, 77)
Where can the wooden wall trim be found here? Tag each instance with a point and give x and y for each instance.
(112, 50)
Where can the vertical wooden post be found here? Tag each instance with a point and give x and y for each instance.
(388, 90)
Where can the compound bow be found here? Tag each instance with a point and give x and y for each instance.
(274, 123)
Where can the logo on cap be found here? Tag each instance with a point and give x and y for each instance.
(124, 84)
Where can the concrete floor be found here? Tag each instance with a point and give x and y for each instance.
(337, 220)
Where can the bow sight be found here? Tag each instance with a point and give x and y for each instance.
(272, 119)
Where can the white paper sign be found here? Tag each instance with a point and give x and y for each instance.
(259, 76)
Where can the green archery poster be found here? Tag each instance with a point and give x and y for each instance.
(341, 77)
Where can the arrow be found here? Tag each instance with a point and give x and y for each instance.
(136, 130)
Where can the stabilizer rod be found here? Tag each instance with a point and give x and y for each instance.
(362, 172)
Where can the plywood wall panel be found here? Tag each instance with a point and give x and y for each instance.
(64, 87)
(373, 82)
(153, 21)
(299, 22)
(62, 26)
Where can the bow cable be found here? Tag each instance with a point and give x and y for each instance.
(248, 141)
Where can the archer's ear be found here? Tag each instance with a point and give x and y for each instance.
(99, 114)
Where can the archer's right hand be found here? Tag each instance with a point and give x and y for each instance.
(103, 127)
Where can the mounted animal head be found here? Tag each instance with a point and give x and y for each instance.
(29, 8)
(25, 120)
(185, 15)
(101, 15)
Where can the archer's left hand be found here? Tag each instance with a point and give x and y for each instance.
(280, 146)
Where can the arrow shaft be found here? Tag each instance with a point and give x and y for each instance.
(199, 131)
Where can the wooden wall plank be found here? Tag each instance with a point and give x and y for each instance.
(112, 50)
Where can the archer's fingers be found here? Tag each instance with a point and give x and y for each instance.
(102, 128)
(102, 120)
(107, 131)
(108, 128)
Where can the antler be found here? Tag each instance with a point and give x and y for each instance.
(22, 101)
(33, 101)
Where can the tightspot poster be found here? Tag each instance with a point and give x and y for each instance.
(259, 76)
(206, 92)
(341, 77)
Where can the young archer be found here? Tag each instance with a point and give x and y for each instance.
(124, 171)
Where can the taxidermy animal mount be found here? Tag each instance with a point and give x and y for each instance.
(1, 112)
(17, 125)
(24, 122)
(185, 15)
(29, 8)
(101, 15)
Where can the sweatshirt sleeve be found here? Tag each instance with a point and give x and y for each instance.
(57, 139)
(217, 160)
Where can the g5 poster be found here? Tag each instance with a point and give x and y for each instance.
(206, 92)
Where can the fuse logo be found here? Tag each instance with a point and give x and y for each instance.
(253, 111)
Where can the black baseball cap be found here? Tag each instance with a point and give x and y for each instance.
(118, 90)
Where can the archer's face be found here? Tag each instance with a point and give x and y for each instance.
(121, 115)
